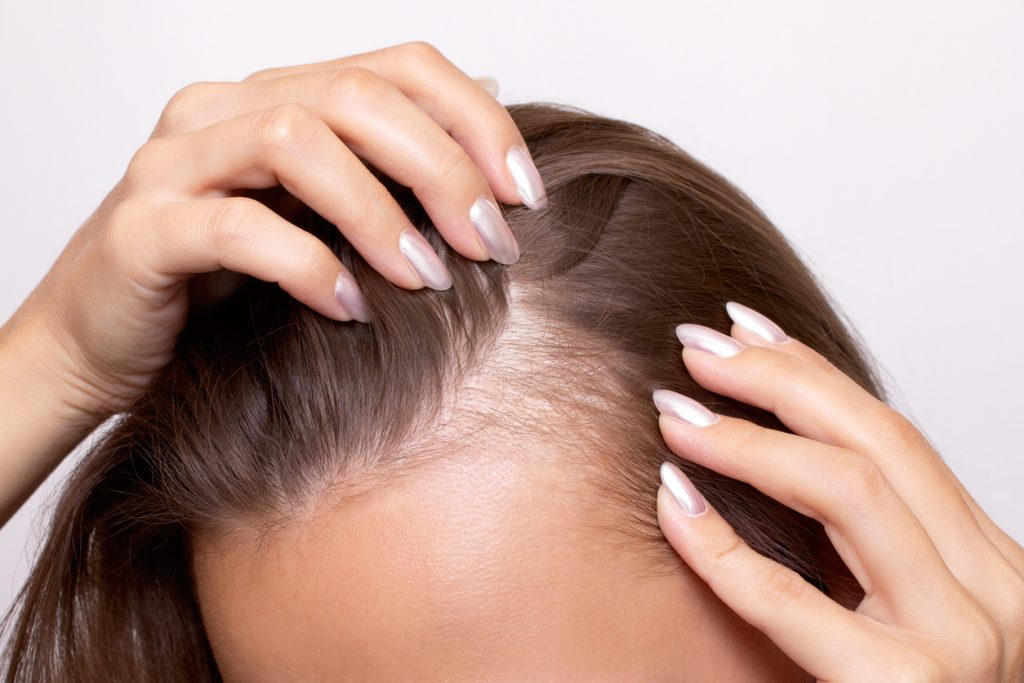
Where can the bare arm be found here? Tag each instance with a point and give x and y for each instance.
(38, 425)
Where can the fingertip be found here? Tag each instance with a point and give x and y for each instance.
(350, 298)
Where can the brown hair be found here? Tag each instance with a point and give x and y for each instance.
(266, 403)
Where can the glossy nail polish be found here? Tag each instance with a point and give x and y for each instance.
(707, 339)
(424, 260)
(683, 408)
(682, 490)
(494, 231)
(527, 179)
(348, 294)
(752, 321)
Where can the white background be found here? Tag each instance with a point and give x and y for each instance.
(883, 138)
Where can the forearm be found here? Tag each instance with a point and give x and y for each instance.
(38, 426)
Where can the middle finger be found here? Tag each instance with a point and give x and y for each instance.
(877, 536)
(379, 123)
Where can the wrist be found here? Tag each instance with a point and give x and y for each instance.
(36, 371)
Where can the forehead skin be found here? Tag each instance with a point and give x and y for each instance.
(475, 567)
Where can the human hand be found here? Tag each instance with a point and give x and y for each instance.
(109, 311)
(944, 586)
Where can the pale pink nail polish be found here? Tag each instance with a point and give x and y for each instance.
(424, 260)
(706, 339)
(528, 182)
(754, 322)
(347, 292)
(683, 490)
(494, 232)
(683, 408)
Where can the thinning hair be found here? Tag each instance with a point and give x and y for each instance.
(267, 404)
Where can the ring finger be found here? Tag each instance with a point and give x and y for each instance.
(364, 109)
(875, 533)
(291, 145)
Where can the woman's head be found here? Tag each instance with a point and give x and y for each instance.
(469, 480)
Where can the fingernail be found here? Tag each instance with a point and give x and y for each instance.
(424, 260)
(347, 292)
(527, 179)
(706, 339)
(684, 408)
(494, 231)
(490, 84)
(682, 490)
(752, 321)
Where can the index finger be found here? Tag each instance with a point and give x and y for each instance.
(460, 105)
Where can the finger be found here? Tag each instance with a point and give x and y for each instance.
(365, 110)
(458, 103)
(164, 242)
(822, 637)
(830, 407)
(290, 145)
(753, 328)
(877, 536)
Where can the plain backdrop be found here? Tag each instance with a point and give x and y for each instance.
(884, 139)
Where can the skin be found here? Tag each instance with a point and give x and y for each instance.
(478, 567)
(105, 318)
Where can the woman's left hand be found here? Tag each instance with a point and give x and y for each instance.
(944, 586)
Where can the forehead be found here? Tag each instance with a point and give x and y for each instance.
(474, 567)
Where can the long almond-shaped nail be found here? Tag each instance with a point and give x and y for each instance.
(706, 339)
(527, 179)
(347, 292)
(682, 489)
(424, 260)
(754, 322)
(494, 231)
(683, 408)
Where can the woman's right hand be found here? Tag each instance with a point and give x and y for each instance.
(107, 314)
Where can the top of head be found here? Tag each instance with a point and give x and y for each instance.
(637, 238)
(269, 409)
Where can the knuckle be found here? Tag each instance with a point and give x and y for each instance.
(180, 107)
(743, 439)
(782, 586)
(783, 376)
(419, 50)
(983, 642)
(896, 429)
(354, 83)
(288, 128)
(229, 222)
(306, 256)
(261, 75)
(723, 553)
(145, 158)
(858, 482)
(452, 166)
